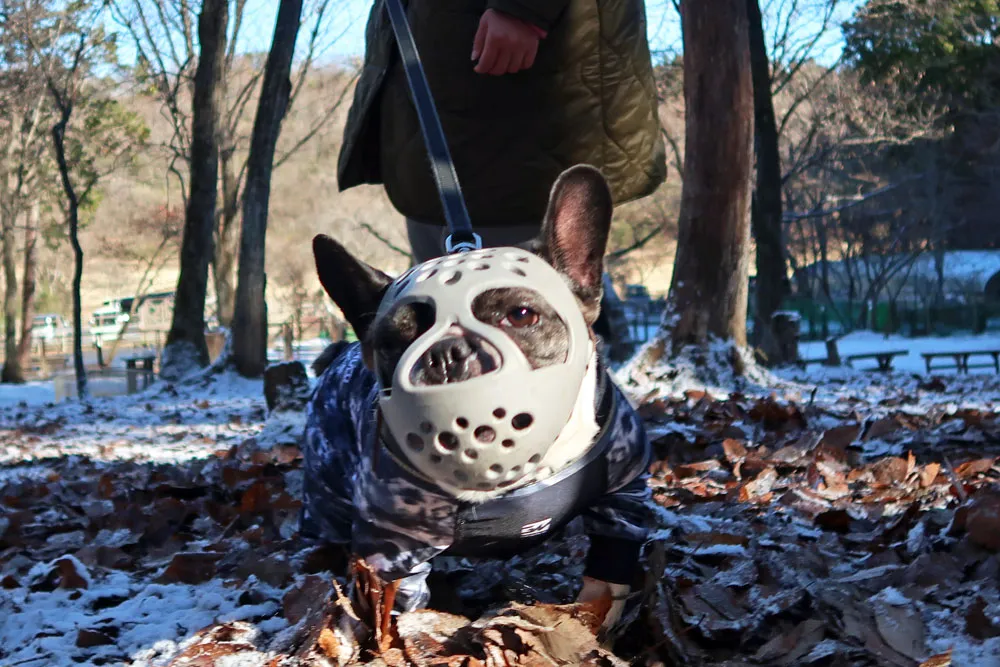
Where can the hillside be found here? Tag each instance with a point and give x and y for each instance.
(304, 202)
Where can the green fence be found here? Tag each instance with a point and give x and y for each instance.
(822, 319)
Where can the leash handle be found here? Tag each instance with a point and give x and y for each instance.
(461, 238)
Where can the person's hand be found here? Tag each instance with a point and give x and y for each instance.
(504, 44)
(595, 589)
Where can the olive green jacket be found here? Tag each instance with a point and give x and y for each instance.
(589, 98)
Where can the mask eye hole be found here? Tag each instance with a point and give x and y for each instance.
(520, 317)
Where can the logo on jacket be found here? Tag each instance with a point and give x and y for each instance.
(536, 527)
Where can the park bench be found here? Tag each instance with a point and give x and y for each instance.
(140, 367)
(960, 359)
(884, 358)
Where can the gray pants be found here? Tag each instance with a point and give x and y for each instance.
(427, 240)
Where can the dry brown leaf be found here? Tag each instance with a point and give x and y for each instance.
(974, 467)
(87, 638)
(734, 450)
(983, 521)
(890, 470)
(978, 624)
(696, 468)
(310, 594)
(191, 567)
(902, 629)
(256, 499)
(883, 427)
(939, 660)
(929, 474)
(840, 437)
(759, 487)
(328, 643)
(788, 648)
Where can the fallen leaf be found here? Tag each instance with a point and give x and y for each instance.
(974, 467)
(86, 638)
(983, 521)
(328, 643)
(192, 567)
(978, 624)
(901, 628)
(891, 470)
(939, 660)
(928, 474)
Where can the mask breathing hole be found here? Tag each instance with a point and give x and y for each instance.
(448, 440)
(508, 443)
(499, 413)
(451, 277)
(516, 469)
(426, 427)
(415, 442)
(462, 423)
(480, 266)
(523, 259)
(497, 468)
(425, 275)
(485, 434)
(535, 459)
(522, 421)
(470, 454)
(517, 271)
(486, 486)
(436, 459)
(461, 476)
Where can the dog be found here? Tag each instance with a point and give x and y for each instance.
(366, 487)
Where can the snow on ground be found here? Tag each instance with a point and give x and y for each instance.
(863, 342)
(166, 423)
(72, 601)
(30, 393)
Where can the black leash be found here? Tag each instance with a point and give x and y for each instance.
(461, 238)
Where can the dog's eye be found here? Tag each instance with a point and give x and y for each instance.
(520, 318)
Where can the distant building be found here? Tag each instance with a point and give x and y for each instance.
(153, 312)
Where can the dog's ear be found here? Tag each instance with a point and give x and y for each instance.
(575, 233)
(353, 285)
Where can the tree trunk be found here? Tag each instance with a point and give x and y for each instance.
(11, 372)
(766, 222)
(708, 291)
(227, 242)
(23, 358)
(73, 213)
(186, 345)
(250, 316)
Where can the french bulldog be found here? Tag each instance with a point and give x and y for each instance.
(361, 491)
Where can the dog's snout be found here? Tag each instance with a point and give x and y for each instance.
(450, 351)
(448, 361)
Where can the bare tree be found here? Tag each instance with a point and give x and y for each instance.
(250, 317)
(92, 136)
(772, 287)
(163, 34)
(186, 347)
(26, 34)
(708, 292)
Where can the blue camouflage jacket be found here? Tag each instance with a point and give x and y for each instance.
(358, 492)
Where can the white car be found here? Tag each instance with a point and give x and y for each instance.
(107, 321)
(49, 327)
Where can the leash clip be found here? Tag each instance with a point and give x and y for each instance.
(451, 246)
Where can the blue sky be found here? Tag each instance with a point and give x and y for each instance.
(344, 26)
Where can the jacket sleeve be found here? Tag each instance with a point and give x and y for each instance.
(542, 13)
(619, 523)
(618, 526)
